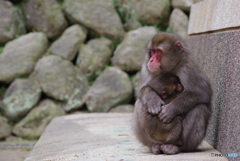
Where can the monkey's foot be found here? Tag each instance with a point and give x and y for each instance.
(169, 149)
(156, 149)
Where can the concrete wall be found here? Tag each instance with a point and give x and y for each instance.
(214, 39)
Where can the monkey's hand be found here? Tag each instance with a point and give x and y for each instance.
(151, 99)
(167, 114)
(154, 104)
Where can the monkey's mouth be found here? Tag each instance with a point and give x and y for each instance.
(153, 68)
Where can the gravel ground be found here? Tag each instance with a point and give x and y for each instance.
(13, 154)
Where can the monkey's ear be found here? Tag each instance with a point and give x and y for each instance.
(179, 87)
(164, 94)
(179, 46)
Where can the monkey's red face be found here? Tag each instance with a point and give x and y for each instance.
(154, 61)
(164, 53)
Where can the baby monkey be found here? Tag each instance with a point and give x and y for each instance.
(167, 86)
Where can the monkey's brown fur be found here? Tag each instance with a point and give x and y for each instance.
(194, 103)
(154, 128)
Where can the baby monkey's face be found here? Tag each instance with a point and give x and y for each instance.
(171, 90)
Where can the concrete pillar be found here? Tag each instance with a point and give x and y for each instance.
(214, 39)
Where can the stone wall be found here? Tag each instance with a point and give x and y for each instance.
(216, 44)
(74, 55)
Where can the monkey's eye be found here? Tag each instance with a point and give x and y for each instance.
(152, 51)
(159, 51)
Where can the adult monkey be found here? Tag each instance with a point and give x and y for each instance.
(167, 53)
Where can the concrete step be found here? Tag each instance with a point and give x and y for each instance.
(213, 15)
(101, 136)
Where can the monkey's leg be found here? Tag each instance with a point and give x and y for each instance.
(194, 127)
(170, 149)
(156, 149)
(137, 124)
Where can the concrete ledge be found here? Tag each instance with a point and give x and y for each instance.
(218, 55)
(100, 137)
(212, 15)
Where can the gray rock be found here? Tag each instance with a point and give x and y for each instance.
(11, 22)
(68, 44)
(20, 97)
(126, 9)
(179, 23)
(34, 124)
(148, 12)
(5, 128)
(122, 109)
(94, 56)
(20, 55)
(132, 24)
(45, 16)
(110, 89)
(184, 5)
(99, 16)
(130, 53)
(136, 83)
(62, 81)
(153, 12)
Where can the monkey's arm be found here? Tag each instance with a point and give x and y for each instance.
(181, 105)
(197, 91)
(149, 97)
